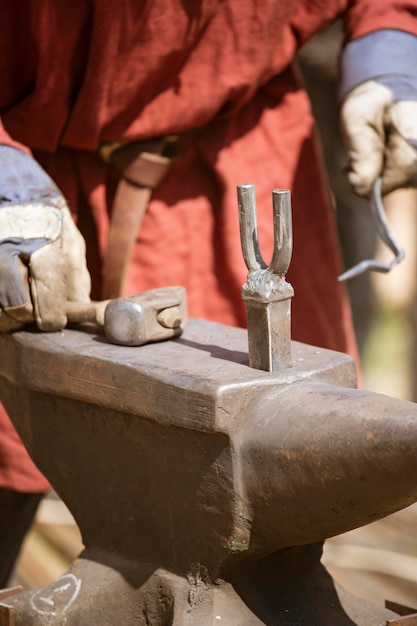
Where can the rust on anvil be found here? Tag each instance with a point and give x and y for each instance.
(266, 292)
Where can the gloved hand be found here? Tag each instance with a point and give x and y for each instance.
(379, 110)
(42, 253)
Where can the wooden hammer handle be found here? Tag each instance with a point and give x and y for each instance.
(92, 312)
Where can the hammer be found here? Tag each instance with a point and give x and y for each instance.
(153, 315)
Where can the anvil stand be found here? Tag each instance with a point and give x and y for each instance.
(203, 487)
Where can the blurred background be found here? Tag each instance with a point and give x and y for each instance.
(379, 561)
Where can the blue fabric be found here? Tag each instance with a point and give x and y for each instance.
(22, 179)
(387, 56)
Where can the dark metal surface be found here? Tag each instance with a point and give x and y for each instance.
(203, 487)
(201, 380)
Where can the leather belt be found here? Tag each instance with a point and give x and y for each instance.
(142, 166)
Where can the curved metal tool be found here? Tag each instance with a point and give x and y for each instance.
(266, 292)
(384, 232)
(281, 211)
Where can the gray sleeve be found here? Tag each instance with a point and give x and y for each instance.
(387, 56)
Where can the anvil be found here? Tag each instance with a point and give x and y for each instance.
(203, 488)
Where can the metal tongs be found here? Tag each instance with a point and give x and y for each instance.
(385, 234)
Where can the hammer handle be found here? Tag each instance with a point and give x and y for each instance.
(92, 312)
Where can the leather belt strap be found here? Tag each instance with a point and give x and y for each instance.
(142, 165)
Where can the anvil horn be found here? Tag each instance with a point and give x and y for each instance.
(325, 460)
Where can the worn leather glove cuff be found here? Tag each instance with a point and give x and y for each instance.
(42, 254)
(388, 57)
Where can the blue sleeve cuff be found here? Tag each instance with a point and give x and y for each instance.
(387, 56)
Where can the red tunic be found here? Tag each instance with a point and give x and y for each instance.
(76, 74)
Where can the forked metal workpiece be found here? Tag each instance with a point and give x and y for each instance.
(266, 292)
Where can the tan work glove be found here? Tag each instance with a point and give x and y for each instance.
(379, 115)
(42, 253)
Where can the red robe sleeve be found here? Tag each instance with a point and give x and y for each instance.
(365, 16)
(360, 17)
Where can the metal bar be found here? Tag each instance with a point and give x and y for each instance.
(385, 234)
(281, 205)
(269, 336)
(249, 227)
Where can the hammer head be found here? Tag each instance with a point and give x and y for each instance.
(154, 315)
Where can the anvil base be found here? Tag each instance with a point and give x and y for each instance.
(290, 589)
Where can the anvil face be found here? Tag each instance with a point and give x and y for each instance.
(200, 380)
